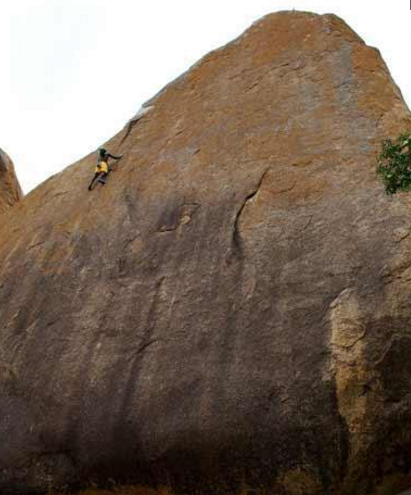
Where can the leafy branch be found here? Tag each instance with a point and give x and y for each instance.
(394, 164)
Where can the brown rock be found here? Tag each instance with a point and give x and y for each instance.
(10, 191)
(233, 308)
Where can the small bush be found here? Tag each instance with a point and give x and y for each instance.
(394, 164)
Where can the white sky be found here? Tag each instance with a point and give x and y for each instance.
(74, 71)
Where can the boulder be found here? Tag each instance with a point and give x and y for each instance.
(232, 309)
(10, 191)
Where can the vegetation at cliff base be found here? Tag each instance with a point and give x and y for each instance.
(394, 164)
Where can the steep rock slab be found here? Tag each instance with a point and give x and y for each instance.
(233, 307)
(10, 191)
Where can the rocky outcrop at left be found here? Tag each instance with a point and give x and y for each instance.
(10, 190)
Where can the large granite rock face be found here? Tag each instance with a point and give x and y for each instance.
(10, 191)
(233, 308)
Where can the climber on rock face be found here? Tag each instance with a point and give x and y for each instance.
(102, 168)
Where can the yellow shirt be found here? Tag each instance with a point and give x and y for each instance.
(102, 167)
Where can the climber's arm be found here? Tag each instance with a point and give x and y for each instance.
(115, 157)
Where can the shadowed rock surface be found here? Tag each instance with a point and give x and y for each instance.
(10, 191)
(233, 307)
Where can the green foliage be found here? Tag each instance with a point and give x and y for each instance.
(394, 164)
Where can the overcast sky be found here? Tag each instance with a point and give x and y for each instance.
(74, 71)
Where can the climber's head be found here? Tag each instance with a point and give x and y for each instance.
(102, 152)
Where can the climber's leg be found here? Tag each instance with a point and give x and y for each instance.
(103, 177)
(90, 187)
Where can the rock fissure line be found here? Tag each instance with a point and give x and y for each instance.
(236, 232)
(36, 245)
(134, 121)
(142, 348)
